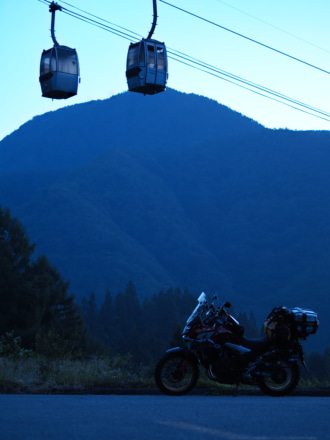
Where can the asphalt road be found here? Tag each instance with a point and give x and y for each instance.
(193, 417)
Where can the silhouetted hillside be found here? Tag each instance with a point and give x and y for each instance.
(71, 136)
(175, 190)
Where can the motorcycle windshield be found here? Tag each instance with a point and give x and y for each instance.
(199, 309)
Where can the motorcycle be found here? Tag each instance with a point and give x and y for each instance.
(215, 340)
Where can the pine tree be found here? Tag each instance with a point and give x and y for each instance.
(90, 313)
(33, 296)
(106, 321)
(16, 294)
(127, 320)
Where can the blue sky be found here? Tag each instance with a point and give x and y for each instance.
(298, 28)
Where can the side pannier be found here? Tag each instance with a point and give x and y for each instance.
(304, 322)
(277, 325)
(284, 324)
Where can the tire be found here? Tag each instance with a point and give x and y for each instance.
(283, 379)
(176, 373)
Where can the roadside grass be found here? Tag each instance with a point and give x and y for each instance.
(40, 374)
(43, 375)
(97, 375)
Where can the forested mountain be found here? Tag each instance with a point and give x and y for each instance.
(175, 190)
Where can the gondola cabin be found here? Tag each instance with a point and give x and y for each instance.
(59, 72)
(146, 68)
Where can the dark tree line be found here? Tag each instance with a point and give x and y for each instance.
(34, 298)
(144, 330)
(36, 307)
(147, 329)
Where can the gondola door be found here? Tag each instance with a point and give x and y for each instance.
(161, 76)
(151, 64)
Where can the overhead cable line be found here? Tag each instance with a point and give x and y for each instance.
(129, 35)
(204, 67)
(99, 18)
(247, 38)
(273, 26)
(250, 86)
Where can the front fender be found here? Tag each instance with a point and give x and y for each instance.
(189, 354)
(172, 350)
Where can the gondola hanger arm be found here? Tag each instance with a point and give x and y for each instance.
(154, 22)
(53, 7)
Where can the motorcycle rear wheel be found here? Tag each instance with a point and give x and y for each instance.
(283, 379)
(176, 373)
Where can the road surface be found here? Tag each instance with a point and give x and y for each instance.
(145, 417)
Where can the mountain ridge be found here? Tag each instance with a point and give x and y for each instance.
(175, 190)
(115, 116)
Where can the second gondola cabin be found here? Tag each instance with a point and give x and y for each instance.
(146, 67)
(59, 72)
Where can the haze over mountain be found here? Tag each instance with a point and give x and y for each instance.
(175, 190)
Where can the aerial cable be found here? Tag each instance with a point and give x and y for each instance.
(207, 68)
(255, 91)
(99, 25)
(127, 36)
(217, 72)
(252, 87)
(273, 26)
(99, 18)
(248, 38)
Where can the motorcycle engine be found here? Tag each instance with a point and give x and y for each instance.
(225, 369)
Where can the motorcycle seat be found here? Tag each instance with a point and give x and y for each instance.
(258, 344)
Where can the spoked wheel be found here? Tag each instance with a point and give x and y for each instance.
(282, 380)
(176, 373)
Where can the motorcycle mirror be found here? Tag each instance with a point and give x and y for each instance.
(227, 304)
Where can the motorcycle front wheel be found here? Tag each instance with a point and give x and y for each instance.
(176, 373)
(282, 379)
